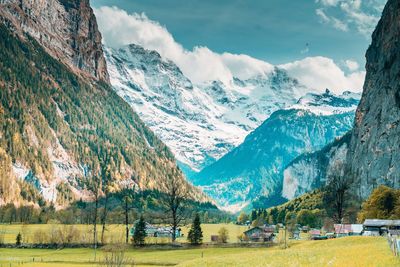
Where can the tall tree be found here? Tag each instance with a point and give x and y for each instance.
(139, 234)
(195, 235)
(177, 192)
(337, 196)
(94, 186)
(106, 177)
(129, 198)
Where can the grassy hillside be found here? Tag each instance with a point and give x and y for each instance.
(52, 120)
(349, 251)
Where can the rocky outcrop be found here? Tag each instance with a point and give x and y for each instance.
(312, 170)
(374, 156)
(67, 29)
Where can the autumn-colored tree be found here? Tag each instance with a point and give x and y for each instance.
(383, 203)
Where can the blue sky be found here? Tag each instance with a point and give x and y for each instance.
(275, 31)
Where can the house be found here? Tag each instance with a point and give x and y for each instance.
(260, 234)
(157, 231)
(348, 229)
(376, 227)
(305, 229)
(314, 233)
(296, 234)
(214, 238)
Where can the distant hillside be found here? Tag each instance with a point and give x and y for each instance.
(254, 170)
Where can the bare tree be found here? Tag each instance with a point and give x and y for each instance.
(177, 192)
(94, 186)
(105, 212)
(129, 198)
(337, 195)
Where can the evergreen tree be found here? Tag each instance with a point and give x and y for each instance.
(140, 232)
(253, 215)
(195, 235)
(18, 240)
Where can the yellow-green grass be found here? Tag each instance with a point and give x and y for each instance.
(212, 229)
(115, 233)
(85, 257)
(341, 252)
(349, 251)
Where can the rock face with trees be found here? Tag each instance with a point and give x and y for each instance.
(374, 156)
(60, 118)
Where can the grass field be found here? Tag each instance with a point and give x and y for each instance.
(349, 251)
(114, 234)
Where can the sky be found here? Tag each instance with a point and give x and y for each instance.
(321, 42)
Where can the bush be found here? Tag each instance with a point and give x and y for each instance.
(40, 237)
(223, 235)
(115, 257)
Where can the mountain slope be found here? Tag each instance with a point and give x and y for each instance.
(57, 122)
(255, 168)
(199, 122)
(311, 170)
(374, 156)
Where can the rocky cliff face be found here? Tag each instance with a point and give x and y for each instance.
(374, 156)
(312, 170)
(67, 29)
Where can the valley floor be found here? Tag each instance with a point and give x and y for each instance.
(348, 251)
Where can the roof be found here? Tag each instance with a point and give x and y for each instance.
(315, 232)
(394, 232)
(381, 223)
(348, 228)
(265, 229)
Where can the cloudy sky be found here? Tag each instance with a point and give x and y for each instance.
(321, 42)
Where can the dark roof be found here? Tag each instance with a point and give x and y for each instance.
(381, 223)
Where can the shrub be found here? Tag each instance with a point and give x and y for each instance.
(40, 237)
(115, 257)
(223, 235)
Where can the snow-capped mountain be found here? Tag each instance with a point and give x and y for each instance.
(255, 168)
(199, 122)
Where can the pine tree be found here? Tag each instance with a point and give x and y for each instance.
(18, 240)
(195, 235)
(140, 232)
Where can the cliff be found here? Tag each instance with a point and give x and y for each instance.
(67, 29)
(374, 155)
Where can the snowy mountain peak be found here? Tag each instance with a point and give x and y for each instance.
(328, 103)
(199, 122)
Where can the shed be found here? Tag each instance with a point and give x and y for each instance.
(214, 238)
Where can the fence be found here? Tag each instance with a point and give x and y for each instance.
(394, 243)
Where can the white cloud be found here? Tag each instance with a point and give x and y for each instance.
(201, 64)
(352, 65)
(319, 73)
(360, 15)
